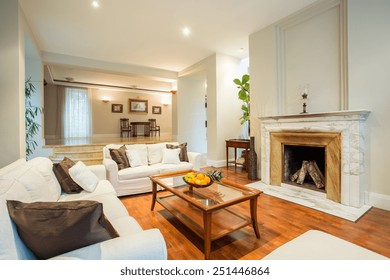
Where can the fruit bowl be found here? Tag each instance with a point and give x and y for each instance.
(197, 179)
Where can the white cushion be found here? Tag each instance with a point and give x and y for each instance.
(12, 166)
(45, 167)
(171, 156)
(83, 176)
(183, 165)
(104, 187)
(134, 158)
(137, 172)
(33, 182)
(141, 150)
(155, 152)
(11, 247)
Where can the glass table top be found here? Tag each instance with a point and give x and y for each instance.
(217, 193)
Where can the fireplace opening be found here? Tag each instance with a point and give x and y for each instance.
(304, 166)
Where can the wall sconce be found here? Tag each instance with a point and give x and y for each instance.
(105, 99)
(166, 100)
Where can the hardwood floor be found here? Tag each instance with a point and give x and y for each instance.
(279, 222)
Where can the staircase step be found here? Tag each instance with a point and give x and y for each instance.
(86, 161)
(84, 154)
(89, 154)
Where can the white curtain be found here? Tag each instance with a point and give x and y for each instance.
(74, 113)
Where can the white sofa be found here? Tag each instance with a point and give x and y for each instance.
(135, 180)
(319, 245)
(34, 180)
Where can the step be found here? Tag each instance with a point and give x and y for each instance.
(78, 154)
(78, 148)
(86, 161)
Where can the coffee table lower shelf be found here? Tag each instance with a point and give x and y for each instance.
(223, 221)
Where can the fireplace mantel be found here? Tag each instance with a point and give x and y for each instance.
(350, 125)
(341, 115)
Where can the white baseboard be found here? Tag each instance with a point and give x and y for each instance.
(378, 200)
(216, 163)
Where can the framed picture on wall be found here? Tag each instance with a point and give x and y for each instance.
(156, 110)
(138, 106)
(116, 108)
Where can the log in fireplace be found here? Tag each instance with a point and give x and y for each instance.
(304, 166)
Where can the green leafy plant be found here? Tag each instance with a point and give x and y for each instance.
(243, 94)
(215, 174)
(32, 127)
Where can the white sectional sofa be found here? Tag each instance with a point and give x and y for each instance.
(151, 160)
(34, 180)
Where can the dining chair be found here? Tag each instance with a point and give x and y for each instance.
(125, 127)
(154, 128)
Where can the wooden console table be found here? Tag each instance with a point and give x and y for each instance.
(237, 143)
(146, 126)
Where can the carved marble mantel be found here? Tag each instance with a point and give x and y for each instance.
(350, 124)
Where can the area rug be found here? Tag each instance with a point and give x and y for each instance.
(312, 199)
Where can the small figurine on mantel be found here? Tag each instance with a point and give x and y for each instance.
(304, 99)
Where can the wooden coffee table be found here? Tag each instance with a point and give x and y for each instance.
(206, 210)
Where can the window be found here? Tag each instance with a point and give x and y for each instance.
(76, 114)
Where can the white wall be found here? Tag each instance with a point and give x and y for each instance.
(369, 88)
(223, 105)
(34, 71)
(227, 107)
(192, 112)
(368, 61)
(12, 139)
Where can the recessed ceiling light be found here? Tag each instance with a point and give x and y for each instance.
(186, 31)
(95, 4)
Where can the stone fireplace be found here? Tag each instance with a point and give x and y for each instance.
(335, 140)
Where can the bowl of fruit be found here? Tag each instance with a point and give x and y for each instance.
(197, 179)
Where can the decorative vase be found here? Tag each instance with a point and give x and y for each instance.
(252, 160)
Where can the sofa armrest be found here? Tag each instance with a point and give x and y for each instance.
(195, 159)
(111, 171)
(99, 170)
(143, 245)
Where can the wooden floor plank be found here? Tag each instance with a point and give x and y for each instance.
(279, 222)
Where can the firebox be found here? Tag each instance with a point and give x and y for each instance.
(318, 151)
(304, 166)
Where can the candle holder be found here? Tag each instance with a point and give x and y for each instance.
(304, 100)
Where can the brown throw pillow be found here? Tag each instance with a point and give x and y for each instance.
(61, 170)
(119, 156)
(183, 151)
(50, 229)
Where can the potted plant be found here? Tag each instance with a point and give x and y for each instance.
(243, 94)
(32, 127)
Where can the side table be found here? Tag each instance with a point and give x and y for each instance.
(237, 143)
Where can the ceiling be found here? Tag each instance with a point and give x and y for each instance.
(147, 33)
